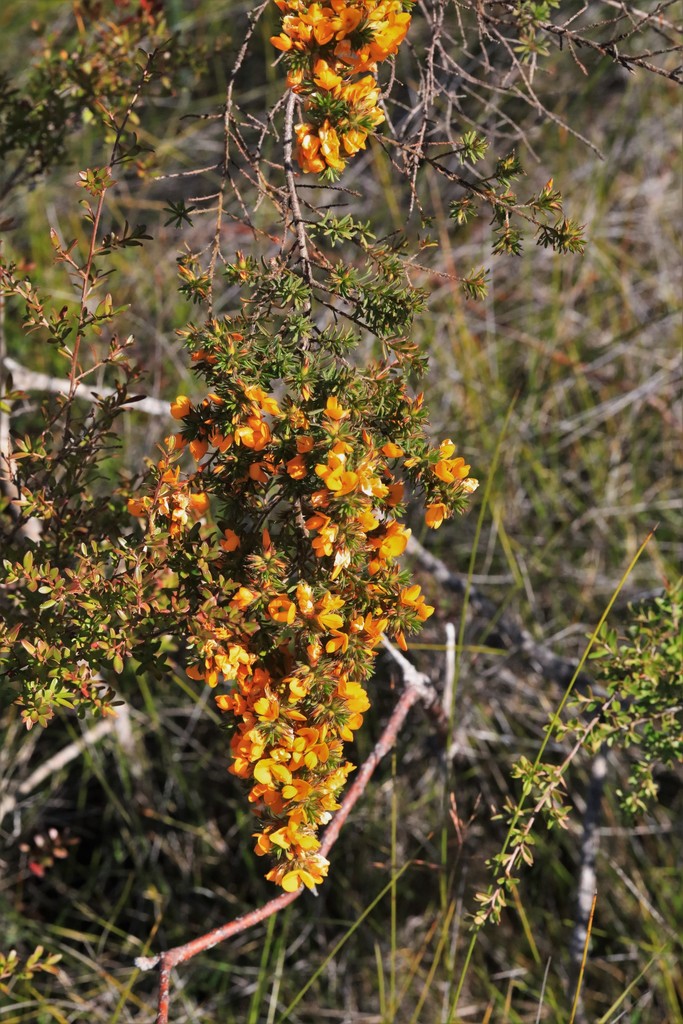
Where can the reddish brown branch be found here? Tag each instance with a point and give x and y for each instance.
(180, 954)
(384, 744)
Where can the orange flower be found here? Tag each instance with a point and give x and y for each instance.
(392, 542)
(264, 401)
(309, 875)
(308, 149)
(199, 503)
(181, 407)
(342, 558)
(336, 476)
(220, 441)
(451, 470)
(329, 146)
(349, 19)
(138, 506)
(269, 772)
(324, 76)
(339, 642)
(367, 521)
(242, 598)
(296, 467)
(199, 448)
(281, 42)
(469, 485)
(435, 515)
(396, 492)
(260, 471)
(412, 597)
(314, 652)
(304, 599)
(400, 639)
(281, 609)
(255, 433)
(353, 140)
(304, 443)
(175, 442)
(267, 708)
(230, 542)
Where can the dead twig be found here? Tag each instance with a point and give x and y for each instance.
(587, 886)
(24, 379)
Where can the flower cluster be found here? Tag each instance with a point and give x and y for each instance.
(305, 562)
(327, 47)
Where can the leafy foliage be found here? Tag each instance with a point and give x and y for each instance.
(642, 710)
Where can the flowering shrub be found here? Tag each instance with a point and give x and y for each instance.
(273, 523)
(272, 527)
(308, 485)
(305, 457)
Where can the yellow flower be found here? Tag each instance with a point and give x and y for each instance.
(310, 876)
(335, 410)
(269, 772)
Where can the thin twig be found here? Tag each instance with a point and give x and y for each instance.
(577, 1013)
(24, 379)
(449, 670)
(297, 218)
(587, 876)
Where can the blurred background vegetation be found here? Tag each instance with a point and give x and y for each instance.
(135, 838)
